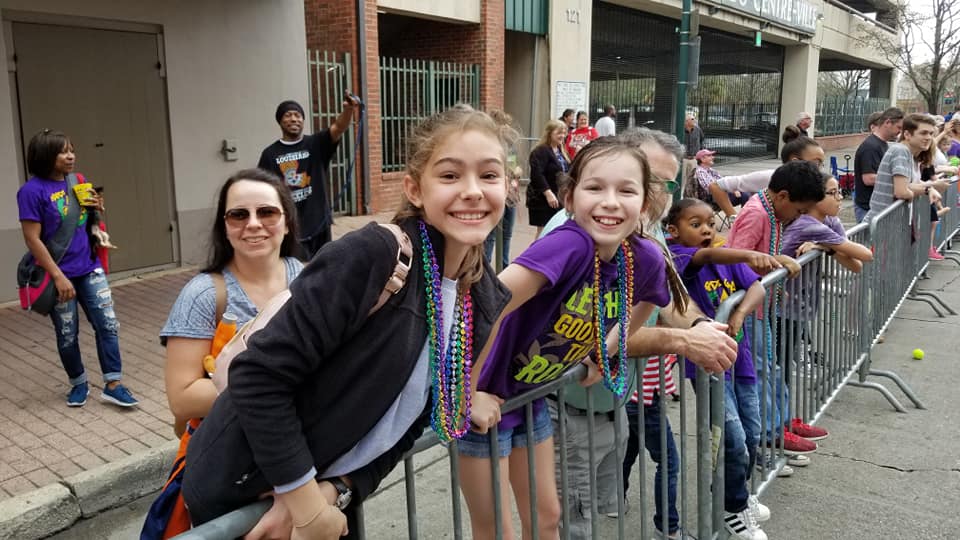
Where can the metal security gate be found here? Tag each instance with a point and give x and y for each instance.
(331, 74)
(737, 100)
(411, 90)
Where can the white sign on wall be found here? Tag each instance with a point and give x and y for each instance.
(570, 95)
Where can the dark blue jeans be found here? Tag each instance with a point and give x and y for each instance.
(651, 440)
(93, 295)
(741, 436)
(509, 216)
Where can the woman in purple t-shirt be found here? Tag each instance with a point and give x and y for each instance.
(43, 202)
(552, 322)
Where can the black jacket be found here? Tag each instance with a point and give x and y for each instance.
(321, 374)
(545, 172)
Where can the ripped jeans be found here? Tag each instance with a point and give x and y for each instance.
(93, 294)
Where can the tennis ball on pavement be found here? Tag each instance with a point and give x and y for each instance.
(918, 354)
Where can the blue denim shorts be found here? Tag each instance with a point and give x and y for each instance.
(477, 445)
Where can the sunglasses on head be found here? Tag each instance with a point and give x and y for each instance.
(266, 215)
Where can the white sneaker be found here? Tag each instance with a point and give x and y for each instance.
(743, 526)
(785, 472)
(760, 511)
(798, 460)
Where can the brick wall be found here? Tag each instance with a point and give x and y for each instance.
(839, 142)
(331, 26)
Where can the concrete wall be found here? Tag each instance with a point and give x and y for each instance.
(569, 42)
(525, 82)
(228, 63)
(458, 10)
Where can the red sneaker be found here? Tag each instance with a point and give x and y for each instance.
(808, 432)
(793, 444)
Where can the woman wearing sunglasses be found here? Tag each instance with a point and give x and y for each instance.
(253, 256)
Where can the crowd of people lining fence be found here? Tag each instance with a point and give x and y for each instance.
(393, 330)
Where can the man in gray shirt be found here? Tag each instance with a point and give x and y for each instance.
(898, 176)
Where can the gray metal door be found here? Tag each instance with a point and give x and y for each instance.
(105, 90)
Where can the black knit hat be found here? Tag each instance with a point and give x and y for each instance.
(288, 105)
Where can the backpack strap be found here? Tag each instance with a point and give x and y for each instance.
(61, 239)
(399, 276)
(220, 285)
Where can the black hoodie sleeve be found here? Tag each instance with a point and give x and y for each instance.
(330, 300)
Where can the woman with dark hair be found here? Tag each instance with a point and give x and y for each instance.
(253, 258)
(254, 247)
(44, 203)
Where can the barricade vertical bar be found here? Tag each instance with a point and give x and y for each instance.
(454, 455)
(718, 433)
(641, 458)
(361, 524)
(592, 463)
(532, 469)
(664, 454)
(619, 421)
(704, 456)
(409, 482)
(683, 444)
(495, 471)
(564, 487)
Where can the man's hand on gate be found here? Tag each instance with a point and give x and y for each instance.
(708, 346)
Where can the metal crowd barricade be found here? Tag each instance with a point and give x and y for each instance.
(949, 224)
(812, 337)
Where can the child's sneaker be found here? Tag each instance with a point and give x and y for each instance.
(118, 395)
(934, 255)
(743, 525)
(798, 460)
(78, 395)
(808, 432)
(793, 444)
(760, 510)
(785, 472)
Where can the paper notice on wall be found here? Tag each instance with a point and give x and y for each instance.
(570, 95)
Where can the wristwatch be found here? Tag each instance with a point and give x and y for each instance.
(344, 493)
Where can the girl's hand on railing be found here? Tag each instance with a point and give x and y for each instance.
(484, 411)
(762, 263)
(276, 524)
(793, 269)
(329, 524)
(593, 373)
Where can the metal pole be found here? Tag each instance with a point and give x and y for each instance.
(681, 101)
(365, 96)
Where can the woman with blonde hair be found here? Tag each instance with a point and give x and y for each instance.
(548, 160)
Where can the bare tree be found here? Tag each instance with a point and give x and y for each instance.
(845, 84)
(929, 54)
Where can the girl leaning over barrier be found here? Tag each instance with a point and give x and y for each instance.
(571, 290)
(253, 257)
(328, 396)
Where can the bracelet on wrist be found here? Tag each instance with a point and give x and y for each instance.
(699, 320)
(312, 519)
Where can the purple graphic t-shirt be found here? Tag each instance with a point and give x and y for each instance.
(803, 293)
(46, 202)
(553, 331)
(709, 286)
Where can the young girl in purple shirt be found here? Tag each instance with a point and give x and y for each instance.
(554, 321)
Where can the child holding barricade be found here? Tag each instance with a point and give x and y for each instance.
(794, 188)
(711, 275)
(571, 289)
(818, 229)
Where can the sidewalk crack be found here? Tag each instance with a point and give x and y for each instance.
(890, 467)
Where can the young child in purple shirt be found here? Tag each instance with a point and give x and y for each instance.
(554, 322)
(711, 275)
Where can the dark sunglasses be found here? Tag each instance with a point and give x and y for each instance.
(266, 215)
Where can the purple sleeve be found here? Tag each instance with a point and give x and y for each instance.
(650, 273)
(837, 227)
(560, 255)
(808, 229)
(682, 255)
(27, 198)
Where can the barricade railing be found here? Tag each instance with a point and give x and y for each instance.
(949, 224)
(812, 336)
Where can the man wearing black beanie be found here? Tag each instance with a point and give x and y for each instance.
(302, 162)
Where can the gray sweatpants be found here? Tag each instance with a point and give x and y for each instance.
(608, 460)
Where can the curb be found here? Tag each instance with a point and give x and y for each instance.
(56, 507)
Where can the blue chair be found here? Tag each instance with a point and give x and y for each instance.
(844, 175)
